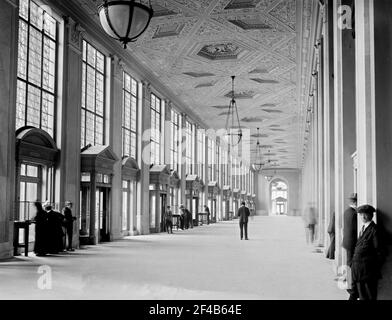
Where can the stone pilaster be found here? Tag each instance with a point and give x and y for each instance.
(183, 154)
(115, 141)
(143, 193)
(166, 128)
(328, 117)
(70, 121)
(8, 70)
(344, 124)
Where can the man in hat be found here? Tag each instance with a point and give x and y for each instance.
(350, 236)
(68, 223)
(367, 257)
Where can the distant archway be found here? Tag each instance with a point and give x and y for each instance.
(279, 197)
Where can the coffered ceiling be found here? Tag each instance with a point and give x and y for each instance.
(195, 46)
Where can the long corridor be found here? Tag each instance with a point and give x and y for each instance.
(208, 262)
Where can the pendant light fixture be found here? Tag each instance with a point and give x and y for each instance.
(258, 165)
(125, 20)
(233, 125)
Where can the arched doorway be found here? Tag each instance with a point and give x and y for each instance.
(36, 159)
(279, 197)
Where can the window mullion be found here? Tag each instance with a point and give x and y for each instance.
(42, 70)
(95, 98)
(85, 100)
(27, 64)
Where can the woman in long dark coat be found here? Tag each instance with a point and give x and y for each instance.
(41, 231)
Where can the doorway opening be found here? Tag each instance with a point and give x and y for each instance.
(279, 197)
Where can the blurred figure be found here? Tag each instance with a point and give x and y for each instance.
(331, 232)
(310, 221)
(169, 220)
(182, 217)
(368, 256)
(207, 210)
(243, 214)
(187, 217)
(68, 223)
(350, 236)
(190, 218)
(41, 230)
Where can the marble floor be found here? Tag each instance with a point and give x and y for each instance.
(207, 262)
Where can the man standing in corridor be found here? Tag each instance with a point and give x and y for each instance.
(243, 214)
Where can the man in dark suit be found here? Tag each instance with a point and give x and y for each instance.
(350, 235)
(69, 223)
(243, 214)
(368, 256)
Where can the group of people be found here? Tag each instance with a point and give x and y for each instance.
(186, 220)
(53, 229)
(365, 250)
(185, 217)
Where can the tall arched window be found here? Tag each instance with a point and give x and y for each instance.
(37, 63)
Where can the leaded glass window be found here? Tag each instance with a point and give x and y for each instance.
(93, 96)
(217, 161)
(37, 63)
(156, 122)
(210, 159)
(130, 111)
(201, 152)
(189, 150)
(175, 140)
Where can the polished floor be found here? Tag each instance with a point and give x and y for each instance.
(208, 262)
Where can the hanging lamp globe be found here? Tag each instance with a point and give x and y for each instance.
(258, 165)
(233, 125)
(124, 20)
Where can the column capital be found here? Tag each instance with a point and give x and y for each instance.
(75, 32)
(146, 87)
(118, 67)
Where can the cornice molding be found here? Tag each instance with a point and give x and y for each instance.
(14, 3)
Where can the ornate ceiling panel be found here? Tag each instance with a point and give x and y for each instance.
(195, 46)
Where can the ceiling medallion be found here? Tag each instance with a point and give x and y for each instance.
(125, 20)
(233, 125)
(221, 51)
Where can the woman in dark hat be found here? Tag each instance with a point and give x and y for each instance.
(41, 230)
(368, 256)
